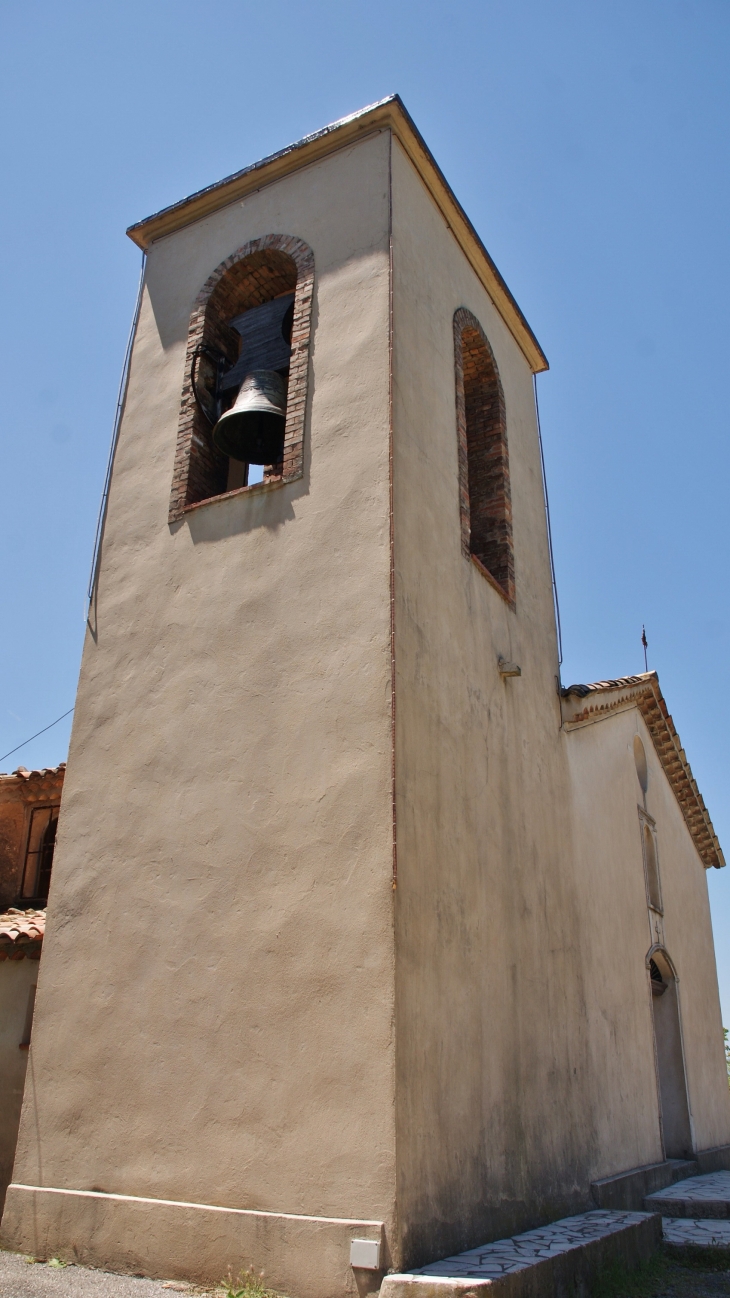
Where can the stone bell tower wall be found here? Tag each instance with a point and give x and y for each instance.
(524, 1049)
(214, 1019)
(494, 1090)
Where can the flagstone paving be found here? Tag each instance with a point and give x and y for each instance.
(506, 1256)
(698, 1232)
(700, 1196)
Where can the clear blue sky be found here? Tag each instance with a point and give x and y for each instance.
(588, 143)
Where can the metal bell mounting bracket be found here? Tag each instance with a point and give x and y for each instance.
(221, 364)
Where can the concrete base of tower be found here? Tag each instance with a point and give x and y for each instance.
(306, 1256)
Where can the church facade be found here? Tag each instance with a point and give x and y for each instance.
(360, 928)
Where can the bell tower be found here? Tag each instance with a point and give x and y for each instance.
(315, 753)
(213, 1047)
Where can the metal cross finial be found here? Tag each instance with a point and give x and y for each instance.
(645, 643)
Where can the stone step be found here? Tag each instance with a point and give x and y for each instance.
(626, 1191)
(700, 1196)
(704, 1232)
(554, 1260)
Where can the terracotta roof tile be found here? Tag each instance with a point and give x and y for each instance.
(21, 934)
(604, 697)
(22, 772)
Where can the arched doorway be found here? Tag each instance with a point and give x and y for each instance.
(669, 1056)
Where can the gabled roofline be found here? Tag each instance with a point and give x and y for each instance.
(589, 703)
(387, 114)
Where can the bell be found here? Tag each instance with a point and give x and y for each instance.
(253, 429)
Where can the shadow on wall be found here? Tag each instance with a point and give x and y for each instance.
(18, 981)
(265, 506)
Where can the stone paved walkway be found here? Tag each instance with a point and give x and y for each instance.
(700, 1232)
(714, 1185)
(22, 1279)
(699, 1196)
(507, 1256)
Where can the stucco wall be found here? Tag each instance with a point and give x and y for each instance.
(214, 1022)
(525, 1055)
(16, 979)
(618, 933)
(495, 1126)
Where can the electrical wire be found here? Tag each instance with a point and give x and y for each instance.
(550, 528)
(121, 398)
(40, 732)
(121, 395)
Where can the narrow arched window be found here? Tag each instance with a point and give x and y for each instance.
(39, 854)
(651, 867)
(484, 489)
(252, 316)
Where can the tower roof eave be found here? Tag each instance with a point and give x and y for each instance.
(387, 114)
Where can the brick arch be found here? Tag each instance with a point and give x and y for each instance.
(485, 499)
(254, 273)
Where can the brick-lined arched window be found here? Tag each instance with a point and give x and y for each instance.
(276, 266)
(484, 490)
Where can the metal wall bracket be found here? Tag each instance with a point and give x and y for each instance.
(508, 669)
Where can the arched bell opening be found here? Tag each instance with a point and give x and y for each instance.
(246, 369)
(669, 1053)
(484, 483)
(246, 332)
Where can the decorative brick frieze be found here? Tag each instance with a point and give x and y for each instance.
(485, 500)
(257, 272)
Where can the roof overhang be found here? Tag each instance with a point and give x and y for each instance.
(388, 114)
(33, 786)
(584, 704)
(21, 934)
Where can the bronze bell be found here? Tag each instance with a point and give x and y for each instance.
(253, 429)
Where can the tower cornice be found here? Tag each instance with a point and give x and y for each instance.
(388, 114)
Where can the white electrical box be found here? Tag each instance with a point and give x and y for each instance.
(365, 1253)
